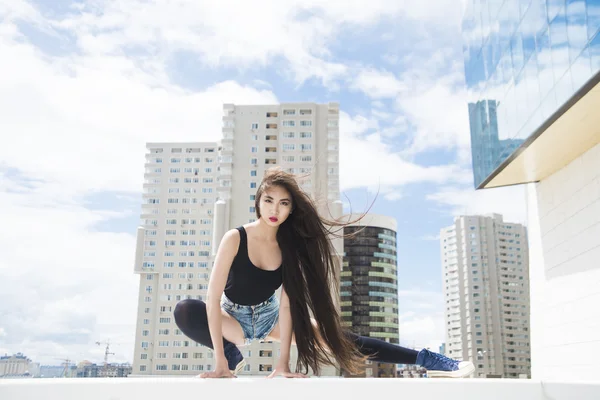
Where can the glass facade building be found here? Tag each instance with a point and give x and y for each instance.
(369, 288)
(526, 63)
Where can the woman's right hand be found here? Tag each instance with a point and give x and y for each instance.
(219, 372)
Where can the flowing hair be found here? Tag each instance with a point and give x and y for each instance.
(310, 276)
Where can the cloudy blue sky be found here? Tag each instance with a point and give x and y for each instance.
(85, 84)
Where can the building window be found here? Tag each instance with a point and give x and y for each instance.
(252, 185)
(254, 125)
(271, 114)
(289, 112)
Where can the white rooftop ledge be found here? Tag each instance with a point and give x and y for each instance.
(254, 388)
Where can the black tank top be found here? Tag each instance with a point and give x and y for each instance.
(247, 284)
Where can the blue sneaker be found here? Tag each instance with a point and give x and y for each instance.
(439, 366)
(234, 357)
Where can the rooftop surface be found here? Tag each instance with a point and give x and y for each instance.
(259, 388)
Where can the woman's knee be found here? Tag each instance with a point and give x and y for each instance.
(185, 308)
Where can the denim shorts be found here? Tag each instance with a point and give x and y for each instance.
(257, 321)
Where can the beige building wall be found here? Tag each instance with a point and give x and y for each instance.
(565, 211)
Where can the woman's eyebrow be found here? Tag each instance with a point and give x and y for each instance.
(269, 197)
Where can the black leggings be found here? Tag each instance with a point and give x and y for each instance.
(192, 319)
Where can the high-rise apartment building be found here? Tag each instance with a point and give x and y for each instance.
(195, 192)
(485, 263)
(369, 283)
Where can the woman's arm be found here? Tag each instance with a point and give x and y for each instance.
(216, 285)
(285, 328)
(285, 338)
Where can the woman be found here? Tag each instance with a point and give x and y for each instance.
(288, 244)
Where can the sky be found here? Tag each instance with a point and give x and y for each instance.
(85, 84)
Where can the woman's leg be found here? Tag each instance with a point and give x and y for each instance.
(191, 317)
(382, 351)
(377, 350)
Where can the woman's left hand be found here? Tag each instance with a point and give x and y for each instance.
(285, 372)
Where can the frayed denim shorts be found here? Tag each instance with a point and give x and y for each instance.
(257, 321)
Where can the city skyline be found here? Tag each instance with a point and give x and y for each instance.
(100, 96)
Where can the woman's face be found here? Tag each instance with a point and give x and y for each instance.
(275, 205)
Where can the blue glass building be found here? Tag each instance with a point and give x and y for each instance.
(526, 63)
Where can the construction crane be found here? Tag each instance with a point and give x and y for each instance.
(66, 363)
(106, 354)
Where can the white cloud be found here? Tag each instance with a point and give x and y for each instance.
(438, 110)
(380, 167)
(509, 201)
(222, 33)
(86, 127)
(421, 319)
(64, 284)
(377, 84)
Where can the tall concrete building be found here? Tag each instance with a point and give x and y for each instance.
(195, 192)
(485, 263)
(539, 63)
(369, 283)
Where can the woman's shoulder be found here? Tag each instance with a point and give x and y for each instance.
(231, 237)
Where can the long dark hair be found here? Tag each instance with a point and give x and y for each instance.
(310, 278)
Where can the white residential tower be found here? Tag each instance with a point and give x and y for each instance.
(485, 266)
